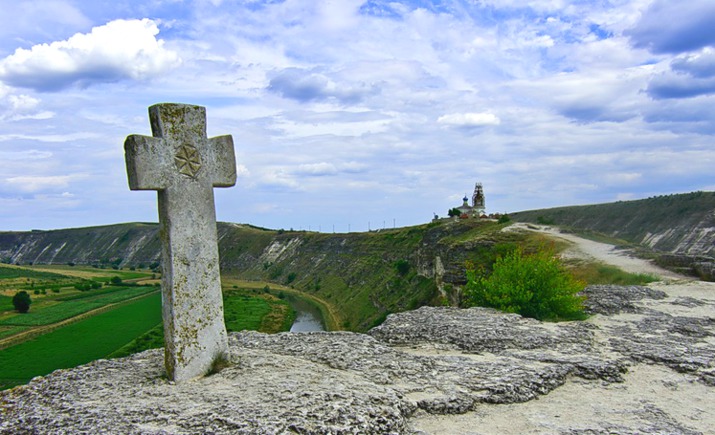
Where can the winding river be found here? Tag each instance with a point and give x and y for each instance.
(308, 317)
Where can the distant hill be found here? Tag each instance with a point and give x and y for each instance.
(682, 223)
(364, 276)
(682, 226)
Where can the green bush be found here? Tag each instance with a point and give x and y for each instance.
(533, 285)
(402, 267)
(22, 301)
(83, 286)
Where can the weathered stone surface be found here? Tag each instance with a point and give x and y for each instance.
(609, 299)
(184, 166)
(433, 370)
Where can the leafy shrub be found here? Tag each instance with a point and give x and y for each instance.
(22, 301)
(452, 212)
(533, 285)
(402, 267)
(82, 286)
(115, 280)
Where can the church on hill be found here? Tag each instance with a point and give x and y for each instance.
(477, 208)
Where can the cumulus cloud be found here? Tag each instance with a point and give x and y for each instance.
(304, 86)
(15, 106)
(675, 27)
(120, 49)
(469, 119)
(701, 65)
(691, 75)
(679, 86)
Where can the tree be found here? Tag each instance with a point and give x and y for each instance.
(22, 301)
(533, 285)
(454, 212)
(116, 280)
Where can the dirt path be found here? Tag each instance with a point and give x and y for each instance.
(602, 252)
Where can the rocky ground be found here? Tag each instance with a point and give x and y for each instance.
(643, 363)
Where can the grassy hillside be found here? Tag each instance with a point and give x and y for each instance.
(105, 246)
(365, 276)
(682, 223)
(359, 277)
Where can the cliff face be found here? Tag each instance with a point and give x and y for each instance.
(113, 244)
(644, 363)
(678, 224)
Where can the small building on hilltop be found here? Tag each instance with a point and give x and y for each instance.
(476, 210)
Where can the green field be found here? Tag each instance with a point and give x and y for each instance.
(127, 328)
(6, 331)
(245, 309)
(6, 303)
(79, 343)
(64, 310)
(9, 272)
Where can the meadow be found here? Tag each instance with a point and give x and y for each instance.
(74, 305)
(69, 327)
(244, 309)
(79, 342)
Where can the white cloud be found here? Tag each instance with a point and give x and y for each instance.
(242, 171)
(14, 106)
(31, 184)
(469, 119)
(592, 95)
(24, 155)
(49, 137)
(675, 27)
(27, 20)
(316, 169)
(325, 168)
(120, 49)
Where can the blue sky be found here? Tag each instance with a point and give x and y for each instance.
(350, 113)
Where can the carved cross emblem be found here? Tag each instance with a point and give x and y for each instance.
(187, 160)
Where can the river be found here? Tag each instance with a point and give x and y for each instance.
(308, 317)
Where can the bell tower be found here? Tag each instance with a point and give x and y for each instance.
(478, 199)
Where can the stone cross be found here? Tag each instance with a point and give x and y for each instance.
(184, 166)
